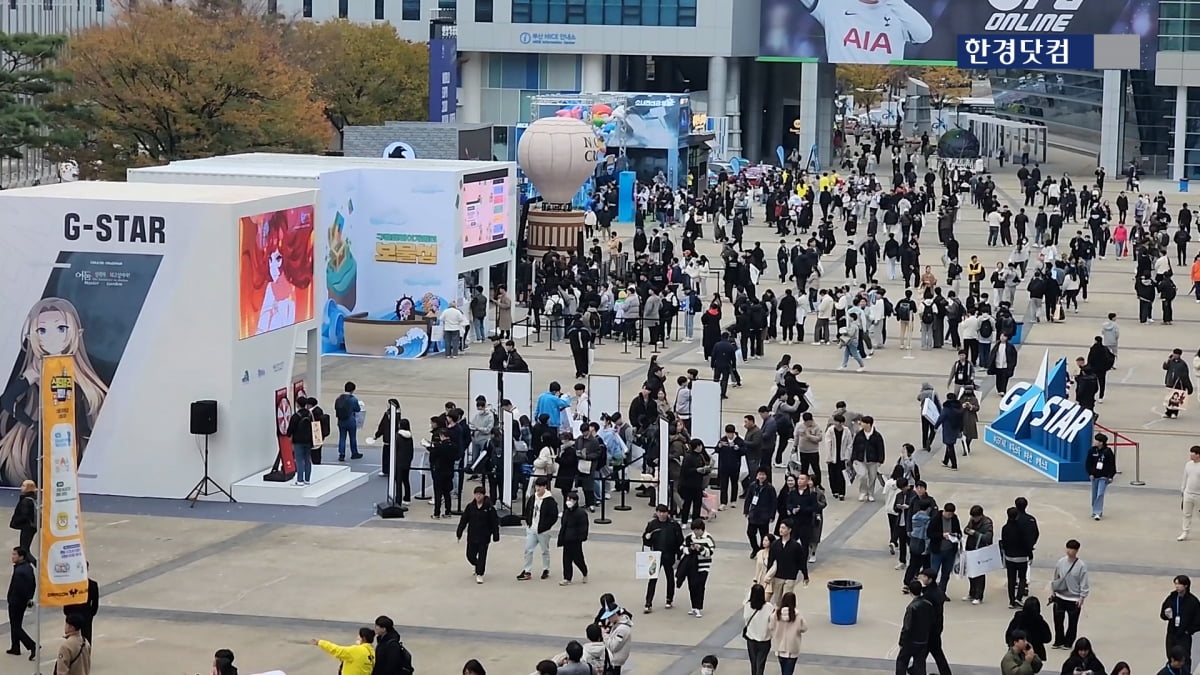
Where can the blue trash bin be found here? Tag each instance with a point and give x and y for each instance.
(1019, 334)
(1183, 184)
(843, 601)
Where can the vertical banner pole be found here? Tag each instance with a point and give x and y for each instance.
(507, 418)
(392, 477)
(43, 518)
(664, 443)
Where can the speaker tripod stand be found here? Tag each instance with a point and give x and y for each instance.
(207, 486)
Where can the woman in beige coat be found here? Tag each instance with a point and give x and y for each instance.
(764, 572)
(503, 303)
(787, 626)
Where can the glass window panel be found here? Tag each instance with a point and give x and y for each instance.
(378, 10)
(522, 11)
(483, 11)
(1170, 10)
(612, 12)
(558, 11)
(410, 10)
(687, 12)
(490, 103)
(343, 8)
(650, 13)
(595, 12)
(562, 72)
(669, 13)
(541, 12)
(495, 70)
(513, 74)
(1170, 44)
(1191, 43)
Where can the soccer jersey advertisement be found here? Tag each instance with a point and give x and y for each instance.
(916, 32)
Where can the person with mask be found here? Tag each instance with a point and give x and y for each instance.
(572, 533)
(481, 522)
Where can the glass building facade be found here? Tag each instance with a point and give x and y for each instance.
(606, 12)
(1070, 104)
(1178, 25)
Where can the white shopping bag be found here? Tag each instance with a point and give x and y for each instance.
(647, 565)
(982, 560)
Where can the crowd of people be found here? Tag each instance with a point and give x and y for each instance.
(875, 265)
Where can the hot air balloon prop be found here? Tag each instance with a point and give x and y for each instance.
(558, 154)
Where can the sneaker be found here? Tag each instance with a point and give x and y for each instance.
(899, 566)
(812, 558)
(976, 601)
(862, 498)
(478, 578)
(966, 598)
(691, 612)
(891, 549)
(297, 482)
(564, 582)
(861, 370)
(1182, 536)
(647, 610)
(841, 367)
(358, 456)
(545, 574)
(583, 580)
(698, 614)
(381, 474)
(669, 605)
(524, 576)
(870, 498)
(1095, 516)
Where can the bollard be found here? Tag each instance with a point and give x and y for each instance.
(603, 519)
(623, 487)
(1137, 465)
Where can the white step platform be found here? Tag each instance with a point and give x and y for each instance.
(328, 482)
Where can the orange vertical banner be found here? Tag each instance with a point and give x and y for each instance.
(62, 568)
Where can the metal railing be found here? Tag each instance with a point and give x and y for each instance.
(1120, 440)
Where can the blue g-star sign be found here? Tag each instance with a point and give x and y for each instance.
(1043, 429)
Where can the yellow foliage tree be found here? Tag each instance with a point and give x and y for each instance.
(167, 82)
(364, 73)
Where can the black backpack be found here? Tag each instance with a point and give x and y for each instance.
(928, 316)
(985, 329)
(342, 407)
(903, 311)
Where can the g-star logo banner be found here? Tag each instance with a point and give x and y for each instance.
(926, 31)
(1039, 426)
(120, 227)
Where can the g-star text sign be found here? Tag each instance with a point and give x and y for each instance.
(121, 227)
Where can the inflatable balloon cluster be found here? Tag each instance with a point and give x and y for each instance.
(607, 123)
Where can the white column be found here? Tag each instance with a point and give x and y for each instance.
(470, 93)
(1180, 135)
(718, 79)
(810, 112)
(734, 92)
(592, 80)
(1112, 122)
(613, 81)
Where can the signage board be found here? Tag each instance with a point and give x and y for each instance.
(1041, 427)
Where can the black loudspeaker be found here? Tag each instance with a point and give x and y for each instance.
(204, 418)
(386, 510)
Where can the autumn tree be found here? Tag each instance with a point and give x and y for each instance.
(166, 82)
(26, 77)
(364, 73)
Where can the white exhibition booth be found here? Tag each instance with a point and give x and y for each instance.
(164, 297)
(397, 240)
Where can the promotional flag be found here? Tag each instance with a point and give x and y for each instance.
(62, 568)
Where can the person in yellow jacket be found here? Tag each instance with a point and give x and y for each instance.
(357, 659)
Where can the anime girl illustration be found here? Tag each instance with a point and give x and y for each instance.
(52, 328)
(404, 308)
(277, 270)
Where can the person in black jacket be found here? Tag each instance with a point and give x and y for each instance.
(869, 449)
(944, 533)
(1101, 466)
(914, 633)
(541, 513)
(1015, 547)
(383, 432)
(21, 589)
(499, 357)
(571, 535)
(759, 509)
(1083, 660)
(789, 558)
(662, 534)
(300, 430)
(1181, 611)
(25, 515)
(724, 361)
(1029, 620)
(693, 473)
(937, 601)
(443, 453)
(482, 525)
(391, 657)
(86, 610)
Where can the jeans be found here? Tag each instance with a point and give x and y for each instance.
(533, 541)
(787, 665)
(1099, 487)
(303, 454)
(866, 484)
(478, 328)
(451, 339)
(347, 431)
(758, 652)
(942, 564)
(689, 325)
(477, 555)
(1064, 634)
(850, 350)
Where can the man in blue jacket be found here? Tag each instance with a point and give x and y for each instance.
(551, 403)
(759, 509)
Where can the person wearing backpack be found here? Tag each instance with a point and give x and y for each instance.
(300, 430)
(929, 315)
(391, 657)
(905, 309)
(345, 408)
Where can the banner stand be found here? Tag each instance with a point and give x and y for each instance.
(390, 507)
(664, 473)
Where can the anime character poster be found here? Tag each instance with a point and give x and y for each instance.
(275, 275)
(88, 311)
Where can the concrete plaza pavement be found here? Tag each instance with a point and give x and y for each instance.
(180, 583)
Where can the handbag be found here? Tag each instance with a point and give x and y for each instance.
(317, 437)
(1059, 584)
(585, 467)
(745, 627)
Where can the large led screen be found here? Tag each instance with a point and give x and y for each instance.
(485, 212)
(275, 275)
